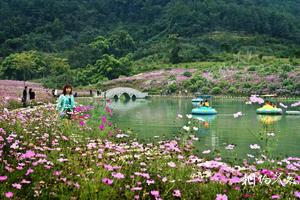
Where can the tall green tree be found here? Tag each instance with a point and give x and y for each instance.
(22, 66)
(174, 42)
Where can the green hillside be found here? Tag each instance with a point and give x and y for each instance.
(88, 42)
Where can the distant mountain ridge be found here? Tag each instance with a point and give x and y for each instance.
(60, 25)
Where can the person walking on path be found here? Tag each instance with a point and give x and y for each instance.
(24, 96)
(65, 103)
(31, 97)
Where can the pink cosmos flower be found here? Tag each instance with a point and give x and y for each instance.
(136, 189)
(64, 138)
(108, 167)
(234, 180)
(118, 175)
(275, 196)
(81, 123)
(297, 194)
(57, 173)
(28, 154)
(17, 185)
(24, 181)
(155, 193)
(176, 193)
(149, 182)
(76, 185)
(9, 195)
(107, 181)
(256, 99)
(29, 171)
(101, 127)
(103, 118)
(171, 164)
(221, 197)
(3, 178)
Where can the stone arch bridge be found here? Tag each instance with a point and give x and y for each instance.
(116, 93)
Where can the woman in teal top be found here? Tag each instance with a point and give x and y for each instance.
(66, 103)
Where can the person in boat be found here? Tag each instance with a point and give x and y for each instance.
(206, 104)
(273, 105)
(269, 104)
(200, 103)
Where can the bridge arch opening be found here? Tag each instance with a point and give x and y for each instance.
(124, 91)
(125, 96)
(116, 97)
(133, 97)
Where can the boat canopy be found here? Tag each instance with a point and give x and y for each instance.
(205, 96)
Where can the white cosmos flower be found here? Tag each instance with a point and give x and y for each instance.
(194, 138)
(254, 146)
(282, 105)
(230, 147)
(206, 152)
(121, 135)
(200, 119)
(250, 155)
(236, 115)
(187, 128)
(195, 128)
(179, 116)
(260, 162)
(271, 134)
(189, 116)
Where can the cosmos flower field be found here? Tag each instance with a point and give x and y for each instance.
(88, 157)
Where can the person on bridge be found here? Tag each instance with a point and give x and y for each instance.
(65, 103)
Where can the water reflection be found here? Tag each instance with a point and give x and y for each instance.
(292, 116)
(205, 118)
(127, 104)
(157, 117)
(269, 119)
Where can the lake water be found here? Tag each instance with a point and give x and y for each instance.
(156, 119)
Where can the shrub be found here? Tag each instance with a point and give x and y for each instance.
(252, 69)
(287, 68)
(246, 85)
(187, 74)
(204, 90)
(14, 104)
(172, 88)
(287, 82)
(172, 78)
(216, 90)
(232, 90)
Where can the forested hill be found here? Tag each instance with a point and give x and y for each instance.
(88, 34)
(57, 25)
